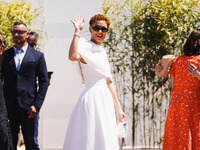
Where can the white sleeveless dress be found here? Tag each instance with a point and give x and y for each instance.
(92, 125)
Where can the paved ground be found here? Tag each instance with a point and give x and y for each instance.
(22, 148)
(141, 149)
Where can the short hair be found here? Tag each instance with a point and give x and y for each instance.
(192, 45)
(35, 34)
(99, 17)
(19, 23)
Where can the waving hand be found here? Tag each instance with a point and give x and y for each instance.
(78, 23)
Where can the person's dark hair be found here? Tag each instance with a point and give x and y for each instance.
(19, 23)
(99, 17)
(35, 34)
(192, 45)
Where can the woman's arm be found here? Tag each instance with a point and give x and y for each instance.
(172, 84)
(73, 50)
(113, 92)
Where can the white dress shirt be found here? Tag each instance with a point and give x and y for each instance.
(19, 55)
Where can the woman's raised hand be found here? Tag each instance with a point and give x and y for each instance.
(78, 23)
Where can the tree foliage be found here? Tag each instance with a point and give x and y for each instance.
(141, 33)
(18, 10)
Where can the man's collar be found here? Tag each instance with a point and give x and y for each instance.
(24, 48)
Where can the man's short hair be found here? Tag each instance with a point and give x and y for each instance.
(34, 34)
(19, 23)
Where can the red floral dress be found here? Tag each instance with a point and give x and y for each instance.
(182, 128)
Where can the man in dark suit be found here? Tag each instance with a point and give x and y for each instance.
(22, 67)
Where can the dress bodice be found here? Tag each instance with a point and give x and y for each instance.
(91, 76)
(180, 71)
(97, 68)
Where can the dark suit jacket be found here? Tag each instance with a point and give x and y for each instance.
(21, 87)
(3, 112)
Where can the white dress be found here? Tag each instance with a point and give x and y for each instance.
(92, 125)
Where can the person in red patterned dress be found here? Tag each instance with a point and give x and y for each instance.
(182, 128)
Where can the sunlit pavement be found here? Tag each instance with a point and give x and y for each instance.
(141, 149)
(23, 148)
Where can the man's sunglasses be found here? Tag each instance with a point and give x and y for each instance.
(32, 44)
(18, 32)
(97, 28)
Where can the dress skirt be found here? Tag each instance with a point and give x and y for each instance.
(92, 125)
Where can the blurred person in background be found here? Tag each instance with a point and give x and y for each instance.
(33, 39)
(33, 42)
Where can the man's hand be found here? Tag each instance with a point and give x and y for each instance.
(32, 112)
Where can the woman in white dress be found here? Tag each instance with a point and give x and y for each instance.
(93, 123)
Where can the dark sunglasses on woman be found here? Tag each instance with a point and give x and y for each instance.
(97, 28)
(2, 42)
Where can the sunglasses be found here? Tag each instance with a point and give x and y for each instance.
(32, 44)
(97, 28)
(3, 43)
(18, 32)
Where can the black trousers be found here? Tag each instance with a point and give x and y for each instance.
(5, 135)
